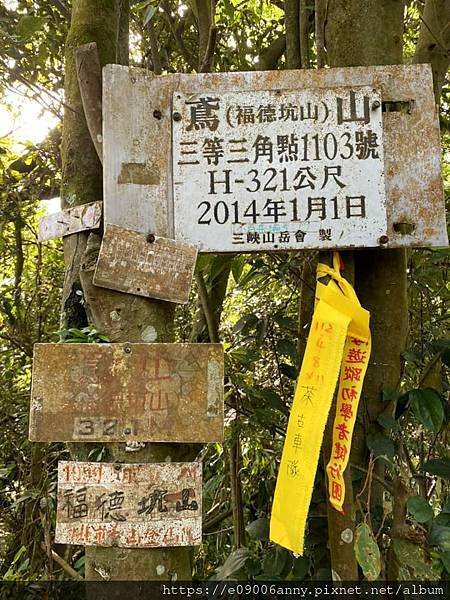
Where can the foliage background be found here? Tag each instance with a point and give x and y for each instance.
(258, 319)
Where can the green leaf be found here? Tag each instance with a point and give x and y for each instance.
(219, 264)
(301, 567)
(286, 322)
(252, 567)
(440, 536)
(79, 565)
(413, 358)
(419, 508)
(28, 25)
(275, 561)
(438, 466)
(272, 400)
(149, 13)
(259, 529)
(289, 371)
(203, 260)
(234, 563)
(367, 552)
(245, 322)
(380, 445)
(427, 408)
(413, 560)
(237, 266)
(445, 558)
(442, 346)
(288, 348)
(387, 421)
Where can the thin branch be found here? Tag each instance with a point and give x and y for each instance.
(434, 47)
(37, 91)
(206, 64)
(304, 34)
(175, 34)
(320, 32)
(269, 58)
(205, 20)
(375, 477)
(154, 50)
(433, 35)
(292, 27)
(207, 309)
(64, 9)
(213, 521)
(62, 563)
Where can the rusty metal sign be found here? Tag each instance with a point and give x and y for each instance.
(139, 148)
(126, 392)
(279, 170)
(145, 265)
(129, 505)
(72, 220)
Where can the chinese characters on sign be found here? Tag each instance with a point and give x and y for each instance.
(129, 505)
(352, 374)
(279, 170)
(122, 392)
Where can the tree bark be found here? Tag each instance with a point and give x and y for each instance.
(119, 316)
(363, 33)
(292, 24)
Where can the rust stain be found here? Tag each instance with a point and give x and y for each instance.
(72, 220)
(138, 173)
(410, 129)
(124, 392)
(155, 505)
(145, 265)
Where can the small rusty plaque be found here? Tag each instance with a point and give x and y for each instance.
(72, 220)
(145, 265)
(125, 392)
(129, 505)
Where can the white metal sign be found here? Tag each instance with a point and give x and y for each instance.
(278, 170)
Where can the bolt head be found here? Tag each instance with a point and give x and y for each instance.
(176, 116)
(150, 238)
(376, 104)
(383, 239)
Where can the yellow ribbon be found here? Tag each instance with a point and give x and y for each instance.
(338, 347)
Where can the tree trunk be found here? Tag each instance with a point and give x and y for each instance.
(363, 33)
(119, 316)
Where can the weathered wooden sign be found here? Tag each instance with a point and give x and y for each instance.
(125, 392)
(301, 144)
(72, 220)
(129, 505)
(145, 265)
(275, 170)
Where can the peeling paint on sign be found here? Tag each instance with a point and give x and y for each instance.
(126, 392)
(132, 133)
(72, 220)
(129, 505)
(145, 265)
